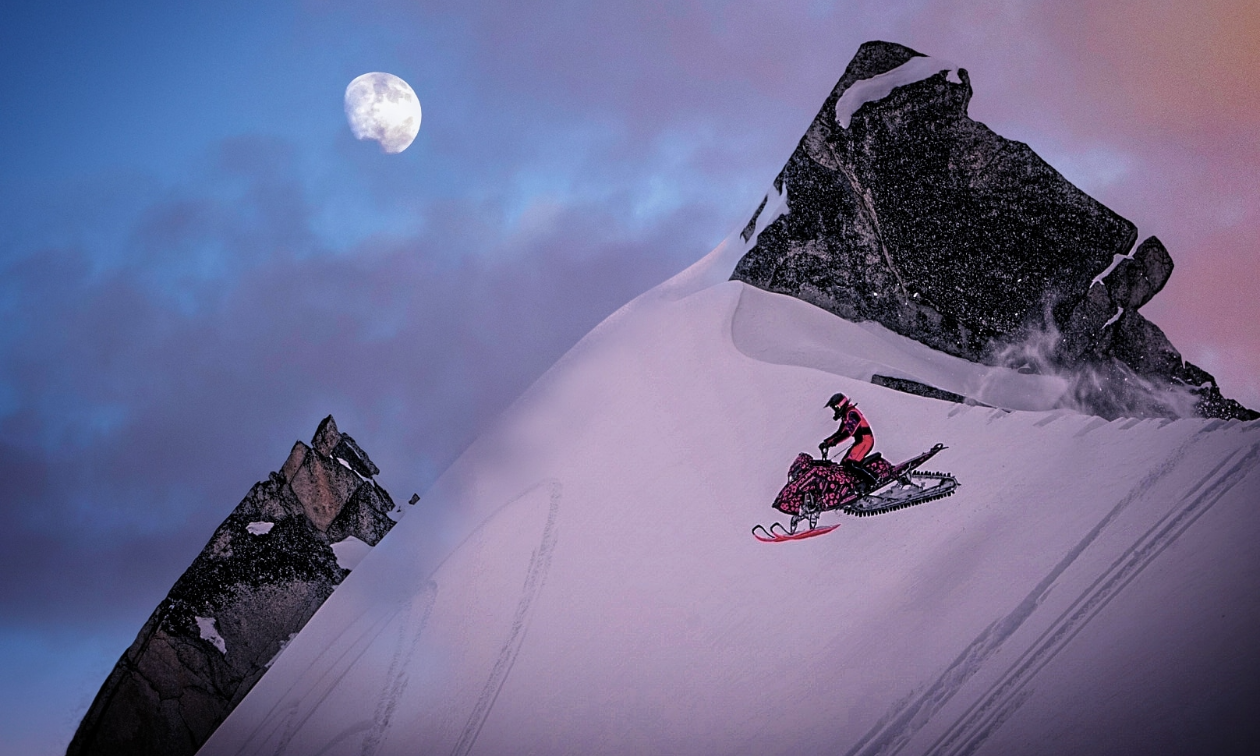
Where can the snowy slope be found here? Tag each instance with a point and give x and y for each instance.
(1090, 588)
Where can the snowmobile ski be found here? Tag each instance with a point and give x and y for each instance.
(780, 533)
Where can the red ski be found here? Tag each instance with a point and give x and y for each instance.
(774, 535)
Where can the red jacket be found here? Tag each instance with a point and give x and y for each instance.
(852, 425)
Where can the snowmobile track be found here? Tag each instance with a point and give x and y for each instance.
(896, 507)
(946, 487)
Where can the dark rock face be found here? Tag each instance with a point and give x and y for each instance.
(907, 386)
(265, 571)
(917, 217)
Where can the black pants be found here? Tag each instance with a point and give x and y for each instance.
(864, 477)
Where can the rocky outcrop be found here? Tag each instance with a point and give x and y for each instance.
(907, 386)
(265, 571)
(902, 210)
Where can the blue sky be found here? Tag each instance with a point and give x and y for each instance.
(198, 261)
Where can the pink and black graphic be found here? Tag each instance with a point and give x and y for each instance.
(825, 485)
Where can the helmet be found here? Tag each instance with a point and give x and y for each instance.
(838, 403)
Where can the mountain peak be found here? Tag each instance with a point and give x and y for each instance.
(900, 209)
(874, 58)
(326, 436)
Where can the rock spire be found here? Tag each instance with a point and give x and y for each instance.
(265, 571)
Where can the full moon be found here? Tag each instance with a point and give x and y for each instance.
(383, 107)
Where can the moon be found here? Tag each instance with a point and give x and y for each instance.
(383, 107)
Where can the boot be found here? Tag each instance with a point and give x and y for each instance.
(865, 480)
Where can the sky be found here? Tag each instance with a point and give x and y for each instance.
(198, 261)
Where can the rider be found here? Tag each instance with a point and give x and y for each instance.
(852, 425)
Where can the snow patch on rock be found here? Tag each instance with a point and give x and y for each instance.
(347, 465)
(205, 625)
(350, 551)
(260, 528)
(1114, 318)
(878, 87)
(1115, 261)
(775, 205)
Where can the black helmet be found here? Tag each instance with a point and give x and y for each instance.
(837, 403)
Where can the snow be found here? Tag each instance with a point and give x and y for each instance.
(1114, 318)
(350, 551)
(775, 328)
(208, 631)
(1116, 259)
(346, 465)
(584, 580)
(260, 528)
(878, 87)
(712, 269)
(775, 206)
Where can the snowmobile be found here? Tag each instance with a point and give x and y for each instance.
(821, 485)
